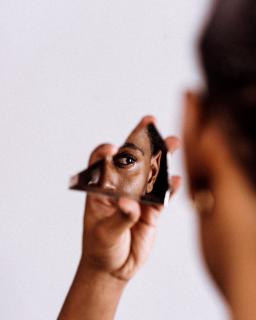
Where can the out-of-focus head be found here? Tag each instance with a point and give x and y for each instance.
(228, 50)
(228, 46)
(219, 128)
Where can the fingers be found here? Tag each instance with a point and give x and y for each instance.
(147, 120)
(108, 150)
(172, 144)
(174, 182)
(128, 213)
(150, 214)
(102, 151)
(144, 122)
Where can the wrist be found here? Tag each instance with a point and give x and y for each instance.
(92, 274)
(94, 295)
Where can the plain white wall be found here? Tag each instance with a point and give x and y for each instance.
(74, 74)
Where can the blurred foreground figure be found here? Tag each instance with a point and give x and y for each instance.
(220, 140)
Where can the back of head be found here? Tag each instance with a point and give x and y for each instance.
(228, 56)
(228, 46)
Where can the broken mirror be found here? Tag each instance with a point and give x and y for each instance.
(138, 170)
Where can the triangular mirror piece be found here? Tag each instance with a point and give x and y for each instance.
(138, 170)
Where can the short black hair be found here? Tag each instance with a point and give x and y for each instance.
(227, 49)
(157, 144)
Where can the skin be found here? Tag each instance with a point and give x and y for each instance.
(226, 207)
(117, 239)
(133, 169)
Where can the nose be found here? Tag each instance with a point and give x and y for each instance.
(107, 179)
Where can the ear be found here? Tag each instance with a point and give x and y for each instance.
(202, 142)
(191, 114)
(154, 170)
(192, 139)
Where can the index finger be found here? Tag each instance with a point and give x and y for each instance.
(172, 143)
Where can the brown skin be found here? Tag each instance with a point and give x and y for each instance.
(226, 208)
(133, 169)
(118, 236)
(117, 239)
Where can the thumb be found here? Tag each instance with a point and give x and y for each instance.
(127, 214)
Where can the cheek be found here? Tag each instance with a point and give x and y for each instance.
(133, 180)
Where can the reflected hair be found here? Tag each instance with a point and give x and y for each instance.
(157, 144)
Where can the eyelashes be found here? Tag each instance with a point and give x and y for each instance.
(124, 160)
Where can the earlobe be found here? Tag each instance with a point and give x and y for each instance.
(154, 170)
(201, 145)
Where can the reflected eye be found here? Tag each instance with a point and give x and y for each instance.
(124, 160)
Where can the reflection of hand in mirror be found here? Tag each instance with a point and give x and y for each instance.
(118, 233)
(137, 169)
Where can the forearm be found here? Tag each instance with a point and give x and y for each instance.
(93, 296)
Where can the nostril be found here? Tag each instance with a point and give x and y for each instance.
(107, 179)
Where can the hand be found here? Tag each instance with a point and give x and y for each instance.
(118, 235)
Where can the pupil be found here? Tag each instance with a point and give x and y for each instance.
(129, 160)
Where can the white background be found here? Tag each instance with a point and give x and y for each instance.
(74, 74)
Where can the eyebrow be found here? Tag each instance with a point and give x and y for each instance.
(132, 146)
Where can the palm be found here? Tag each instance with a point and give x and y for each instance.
(120, 254)
(137, 248)
(143, 234)
(118, 239)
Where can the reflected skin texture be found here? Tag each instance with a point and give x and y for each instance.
(133, 169)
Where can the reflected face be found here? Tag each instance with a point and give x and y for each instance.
(138, 169)
(131, 169)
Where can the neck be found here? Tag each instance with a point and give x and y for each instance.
(236, 210)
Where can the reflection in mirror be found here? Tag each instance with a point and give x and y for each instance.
(138, 170)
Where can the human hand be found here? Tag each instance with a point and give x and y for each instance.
(118, 234)
(117, 239)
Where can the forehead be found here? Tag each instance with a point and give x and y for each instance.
(140, 138)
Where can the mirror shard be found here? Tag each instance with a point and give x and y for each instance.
(138, 170)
